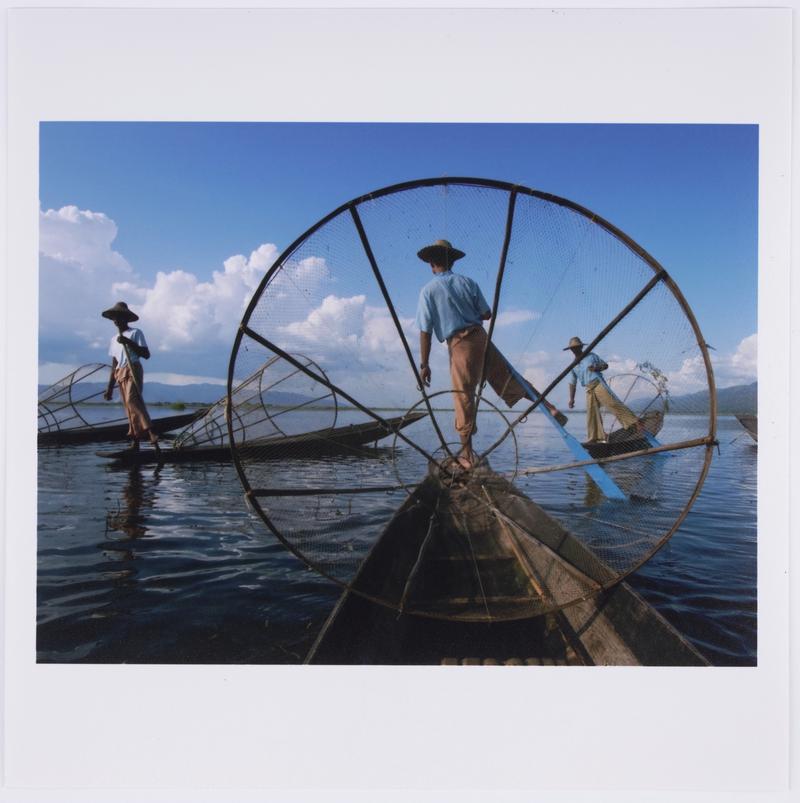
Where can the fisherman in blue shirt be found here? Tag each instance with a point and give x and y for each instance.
(598, 394)
(452, 307)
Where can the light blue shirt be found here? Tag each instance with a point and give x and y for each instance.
(581, 371)
(448, 303)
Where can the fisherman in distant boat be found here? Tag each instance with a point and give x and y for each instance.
(126, 350)
(598, 394)
(452, 307)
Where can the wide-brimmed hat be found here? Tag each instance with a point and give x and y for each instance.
(440, 253)
(120, 310)
(573, 342)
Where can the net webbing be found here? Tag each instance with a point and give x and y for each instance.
(346, 296)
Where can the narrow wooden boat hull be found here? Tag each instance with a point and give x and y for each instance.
(622, 441)
(310, 444)
(113, 432)
(448, 618)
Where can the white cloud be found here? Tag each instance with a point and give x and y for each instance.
(77, 267)
(81, 237)
(514, 316)
(337, 322)
(181, 311)
(185, 379)
(621, 365)
(737, 368)
(349, 328)
(307, 276)
(359, 347)
(744, 361)
(80, 275)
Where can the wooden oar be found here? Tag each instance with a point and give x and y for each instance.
(668, 447)
(130, 364)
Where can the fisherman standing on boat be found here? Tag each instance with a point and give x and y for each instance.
(598, 394)
(126, 350)
(452, 307)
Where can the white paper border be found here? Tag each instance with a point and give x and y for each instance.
(290, 727)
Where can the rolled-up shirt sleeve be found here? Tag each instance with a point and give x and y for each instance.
(424, 318)
(480, 302)
(138, 338)
(573, 377)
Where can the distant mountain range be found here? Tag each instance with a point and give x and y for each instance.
(737, 399)
(204, 393)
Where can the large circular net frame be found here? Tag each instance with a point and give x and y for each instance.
(345, 293)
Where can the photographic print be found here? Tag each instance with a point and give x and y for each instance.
(397, 393)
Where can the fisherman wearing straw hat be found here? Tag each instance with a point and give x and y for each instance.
(126, 350)
(452, 307)
(598, 394)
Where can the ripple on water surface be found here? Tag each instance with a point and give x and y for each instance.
(168, 566)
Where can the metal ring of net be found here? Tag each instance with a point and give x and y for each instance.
(577, 517)
(444, 457)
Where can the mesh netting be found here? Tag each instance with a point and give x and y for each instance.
(60, 404)
(547, 514)
(266, 404)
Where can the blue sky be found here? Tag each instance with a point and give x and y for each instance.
(181, 199)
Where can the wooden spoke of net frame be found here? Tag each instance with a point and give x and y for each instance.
(598, 585)
(256, 390)
(253, 335)
(512, 201)
(295, 408)
(401, 334)
(631, 305)
(661, 275)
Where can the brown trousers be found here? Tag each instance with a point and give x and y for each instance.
(138, 417)
(466, 360)
(597, 396)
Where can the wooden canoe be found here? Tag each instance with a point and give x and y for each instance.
(750, 423)
(448, 579)
(114, 431)
(310, 444)
(622, 441)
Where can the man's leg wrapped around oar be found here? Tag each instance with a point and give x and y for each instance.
(599, 396)
(466, 359)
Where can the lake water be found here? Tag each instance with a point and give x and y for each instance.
(167, 565)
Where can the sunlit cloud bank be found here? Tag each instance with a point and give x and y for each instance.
(77, 266)
(737, 368)
(515, 316)
(184, 379)
(189, 322)
(183, 312)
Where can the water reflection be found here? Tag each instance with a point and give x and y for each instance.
(170, 567)
(128, 522)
